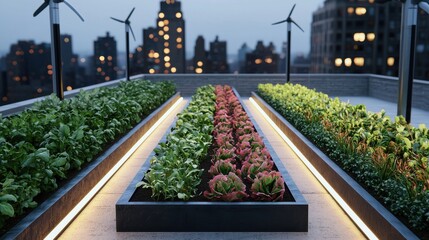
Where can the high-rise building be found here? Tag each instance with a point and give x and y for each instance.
(363, 37)
(164, 45)
(218, 57)
(70, 63)
(262, 59)
(105, 59)
(137, 61)
(200, 62)
(242, 52)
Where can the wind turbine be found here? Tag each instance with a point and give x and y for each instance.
(289, 21)
(54, 12)
(127, 39)
(407, 53)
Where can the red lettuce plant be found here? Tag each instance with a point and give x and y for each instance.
(226, 188)
(250, 170)
(224, 153)
(222, 167)
(268, 186)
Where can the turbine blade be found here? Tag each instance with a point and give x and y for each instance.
(74, 10)
(117, 20)
(280, 22)
(130, 14)
(297, 25)
(291, 10)
(41, 8)
(132, 32)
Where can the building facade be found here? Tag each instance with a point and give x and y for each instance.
(360, 36)
(164, 45)
(218, 57)
(105, 59)
(262, 60)
(200, 63)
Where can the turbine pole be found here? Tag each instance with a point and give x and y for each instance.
(407, 58)
(289, 33)
(54, 13)
(127, 40)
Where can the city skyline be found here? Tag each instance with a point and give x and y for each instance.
(253, 22)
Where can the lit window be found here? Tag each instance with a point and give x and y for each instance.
(99, 69)
(49, 66)
(179, 39)
(139, 49)
(166, 44)
(360, 11)
(179, 30)
(161, 33)
(157, 61)
(31, 51)
(348, 62)
(151, 55)
(198, 70)
(350, 10)
(166, 37)
(200, 63)
(161, 15)
(50, 72)
(66, 40)
(4, 99)
(69, 88)
(167, 64)
(109, 58)
(359, 37)
(102, 58)
(173, 70)
(107, 78)
(370, 37)
(151, 71)
(178, 15)
(179, 46)
(258, 61)
(166, 22)
(359, 61)
(160, 24)
(166, 28)
(371, 1)
(166, 50)
(82, 60)
(39, 90)
(151, 35)
(390, 61)
(338, 62)
(156, 55)
(269, 60)
(166, 58)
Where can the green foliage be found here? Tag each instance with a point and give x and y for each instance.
(390, 158)
(42, 144)
(174, 171)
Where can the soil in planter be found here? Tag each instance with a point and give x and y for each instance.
(144, 194)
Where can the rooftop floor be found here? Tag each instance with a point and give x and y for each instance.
(326, 219)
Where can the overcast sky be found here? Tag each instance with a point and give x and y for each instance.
(236, 21)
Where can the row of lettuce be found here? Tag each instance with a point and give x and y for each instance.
(214, 120)
(44, 144)
(388, 157)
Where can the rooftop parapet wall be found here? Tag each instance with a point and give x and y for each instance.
(377, 86)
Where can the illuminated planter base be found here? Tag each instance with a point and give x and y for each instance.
(380, 220)
(152, 216)
(45, 217)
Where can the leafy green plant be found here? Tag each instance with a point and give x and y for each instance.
(226, 188)
(268, 186)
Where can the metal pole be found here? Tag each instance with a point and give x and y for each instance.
(289, 26)
(57, 81)
(407, 57)
(127, 39)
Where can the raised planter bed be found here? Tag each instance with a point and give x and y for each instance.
(45, 217)
(381, 221)
(164, 216)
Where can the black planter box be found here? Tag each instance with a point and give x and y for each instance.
(152, 216)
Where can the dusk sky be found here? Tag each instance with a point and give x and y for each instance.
(236, 21)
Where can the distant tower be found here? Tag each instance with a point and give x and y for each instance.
(70, 65)
(168, 40)
(242, 56)
(262, 59)
(200, 63)
(218, 56)
(151, 51)
(105, 59)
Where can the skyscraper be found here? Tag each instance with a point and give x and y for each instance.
(262, 59)
(166, 42)
(70, 64)
(218, 57)
(242, 52)
(363, 37)
(200, 62)
(105, 59)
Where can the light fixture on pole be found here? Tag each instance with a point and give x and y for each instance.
(407, 53)
(127, 39)
(54, 12)
(289, 21)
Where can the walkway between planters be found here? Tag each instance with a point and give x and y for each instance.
(326, 219)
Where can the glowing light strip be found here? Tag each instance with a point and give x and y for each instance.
(349, 211)
(76, 210)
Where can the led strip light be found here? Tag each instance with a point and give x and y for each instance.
(349, 211)
(76, 210)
